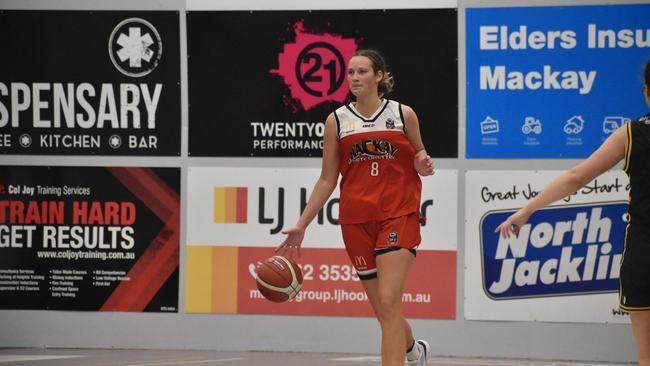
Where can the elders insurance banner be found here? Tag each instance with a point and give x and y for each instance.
(90, 83)
(563, 266)
(262, 83)
(553, 82)
(234, 220)
(86, 238)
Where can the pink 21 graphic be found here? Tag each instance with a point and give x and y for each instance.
(314, 66)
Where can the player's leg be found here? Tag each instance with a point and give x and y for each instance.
(635, 288)
(400, 235)
(372, 290)
(641, 329)
(360, 242)
(392, 273)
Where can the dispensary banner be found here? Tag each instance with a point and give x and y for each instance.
(235, 220)
(90, 83)
(87, 238)
(553, 82)
(563, 265)
(262, 83)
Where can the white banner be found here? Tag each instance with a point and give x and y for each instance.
(249, 207)
(564, 264)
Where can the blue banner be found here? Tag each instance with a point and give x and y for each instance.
(562, 250)
(553, 82)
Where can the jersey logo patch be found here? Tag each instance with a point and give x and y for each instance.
(372, 150)
(392, 238)
(390, 123)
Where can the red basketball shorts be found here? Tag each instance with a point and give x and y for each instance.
(367, 240)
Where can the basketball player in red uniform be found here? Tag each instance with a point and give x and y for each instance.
(630, 143)
(375, 145)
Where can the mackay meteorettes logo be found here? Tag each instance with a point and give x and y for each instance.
(313, 67)
(375, 149)
(135, 47)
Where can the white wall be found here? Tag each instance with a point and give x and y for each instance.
(605, 342)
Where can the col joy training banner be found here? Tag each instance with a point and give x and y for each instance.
(87, 238)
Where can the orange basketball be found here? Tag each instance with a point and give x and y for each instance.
(279, 278)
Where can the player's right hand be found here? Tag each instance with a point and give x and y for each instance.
(292, 242)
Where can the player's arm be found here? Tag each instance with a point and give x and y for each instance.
(329, 175)
(423, 163)
(608, 154)
(323, 189)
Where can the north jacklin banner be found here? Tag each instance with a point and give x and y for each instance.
(262, 83)
(88, 238)
(90, 83)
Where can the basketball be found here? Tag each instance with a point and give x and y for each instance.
(279, 278)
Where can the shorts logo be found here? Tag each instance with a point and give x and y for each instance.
(360, 261)
(392, 238)
(621, 314)
(372, 150)
(390, 124)
(562, 250)
(135, 47)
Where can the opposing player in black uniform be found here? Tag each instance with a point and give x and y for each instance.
(632, 143)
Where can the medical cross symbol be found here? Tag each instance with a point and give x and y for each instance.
(135, 47)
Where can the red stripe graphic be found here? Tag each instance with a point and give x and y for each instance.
(150, 189)
(242, 205)
(161, 257)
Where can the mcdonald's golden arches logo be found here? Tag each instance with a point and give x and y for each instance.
(360, 261)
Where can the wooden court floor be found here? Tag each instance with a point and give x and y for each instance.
(115, 357)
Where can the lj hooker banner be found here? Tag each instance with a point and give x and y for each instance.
(235, 219)
(90, 83)
(262, 83)
(88, 238)
(563, 265)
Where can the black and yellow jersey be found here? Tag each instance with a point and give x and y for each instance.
(637, 167)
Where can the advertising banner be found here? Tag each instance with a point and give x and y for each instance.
(262, 83)
(86, 238)
(563, 265)
(552, 82)
(90, 83)
(235, 220)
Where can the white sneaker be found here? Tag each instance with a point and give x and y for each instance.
(425, 352)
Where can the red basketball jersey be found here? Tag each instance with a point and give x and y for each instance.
(379, 180)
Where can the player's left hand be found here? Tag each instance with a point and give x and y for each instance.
(513, 224)
(292, 242)
(423, 164)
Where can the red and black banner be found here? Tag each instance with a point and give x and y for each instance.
(89, 238)
(90, 83)
(261, 83)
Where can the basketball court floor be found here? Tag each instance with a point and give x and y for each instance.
(101, 357)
